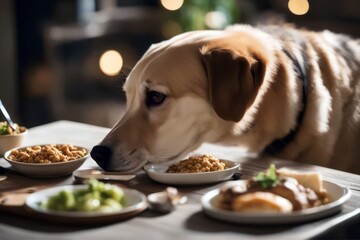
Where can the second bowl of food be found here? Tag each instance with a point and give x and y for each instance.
(50, 160)
(196, 170)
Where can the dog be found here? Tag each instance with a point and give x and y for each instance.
(273, 90)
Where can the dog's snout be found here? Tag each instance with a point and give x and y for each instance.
(101, 155)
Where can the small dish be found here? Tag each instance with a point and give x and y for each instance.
(165, 201)
(157, 172)
(85, 174)
(46, 170)
(135, 203)
(338, 196)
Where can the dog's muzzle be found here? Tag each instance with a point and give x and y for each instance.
(101, 155)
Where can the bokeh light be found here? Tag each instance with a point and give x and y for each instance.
(215, 20)
(172, 5)
(111, 62)
(298, 7)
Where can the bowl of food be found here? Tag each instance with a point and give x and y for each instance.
(196, 170)
(50, 160)
(9, 138)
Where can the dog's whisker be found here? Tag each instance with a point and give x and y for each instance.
(126, 70)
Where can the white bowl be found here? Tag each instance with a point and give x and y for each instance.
(46, 170)
(157, 172)
(11, 141)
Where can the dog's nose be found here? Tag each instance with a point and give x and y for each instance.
(101, 155)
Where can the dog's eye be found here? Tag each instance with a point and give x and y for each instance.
(154, 98)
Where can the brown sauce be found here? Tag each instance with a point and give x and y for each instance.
(298, 195)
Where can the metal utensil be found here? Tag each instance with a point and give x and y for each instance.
(7, 116)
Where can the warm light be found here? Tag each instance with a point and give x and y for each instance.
(298, 7)
(172, 5)
(215, 20)
(111, 62)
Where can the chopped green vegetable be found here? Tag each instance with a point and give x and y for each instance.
(4, 130)
(98, 196)
(269, 178)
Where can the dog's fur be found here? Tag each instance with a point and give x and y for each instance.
(238, 86)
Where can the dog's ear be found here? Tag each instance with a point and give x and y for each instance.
(233, 81)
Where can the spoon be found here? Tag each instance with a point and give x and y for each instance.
(7, 116)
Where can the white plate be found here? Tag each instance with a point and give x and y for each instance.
(135, 203)
(338, 196)
(158, 173)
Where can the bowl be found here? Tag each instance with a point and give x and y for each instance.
(157, 172)
(46, 170)
(11, 141)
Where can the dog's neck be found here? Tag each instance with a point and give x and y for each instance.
(278, 145)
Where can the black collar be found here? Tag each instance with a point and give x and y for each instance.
(279, 144)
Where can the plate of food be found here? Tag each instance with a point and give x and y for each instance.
(90, 203)
(271, 197)
(196, 170)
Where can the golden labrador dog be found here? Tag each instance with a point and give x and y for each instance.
(293, 94)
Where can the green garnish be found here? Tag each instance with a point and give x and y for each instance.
(4, 130)
(268, 178)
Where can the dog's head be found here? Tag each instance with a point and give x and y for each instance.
(183, 92)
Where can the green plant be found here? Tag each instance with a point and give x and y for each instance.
(207, 14)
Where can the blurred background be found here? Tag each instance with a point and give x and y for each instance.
(68, 59)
